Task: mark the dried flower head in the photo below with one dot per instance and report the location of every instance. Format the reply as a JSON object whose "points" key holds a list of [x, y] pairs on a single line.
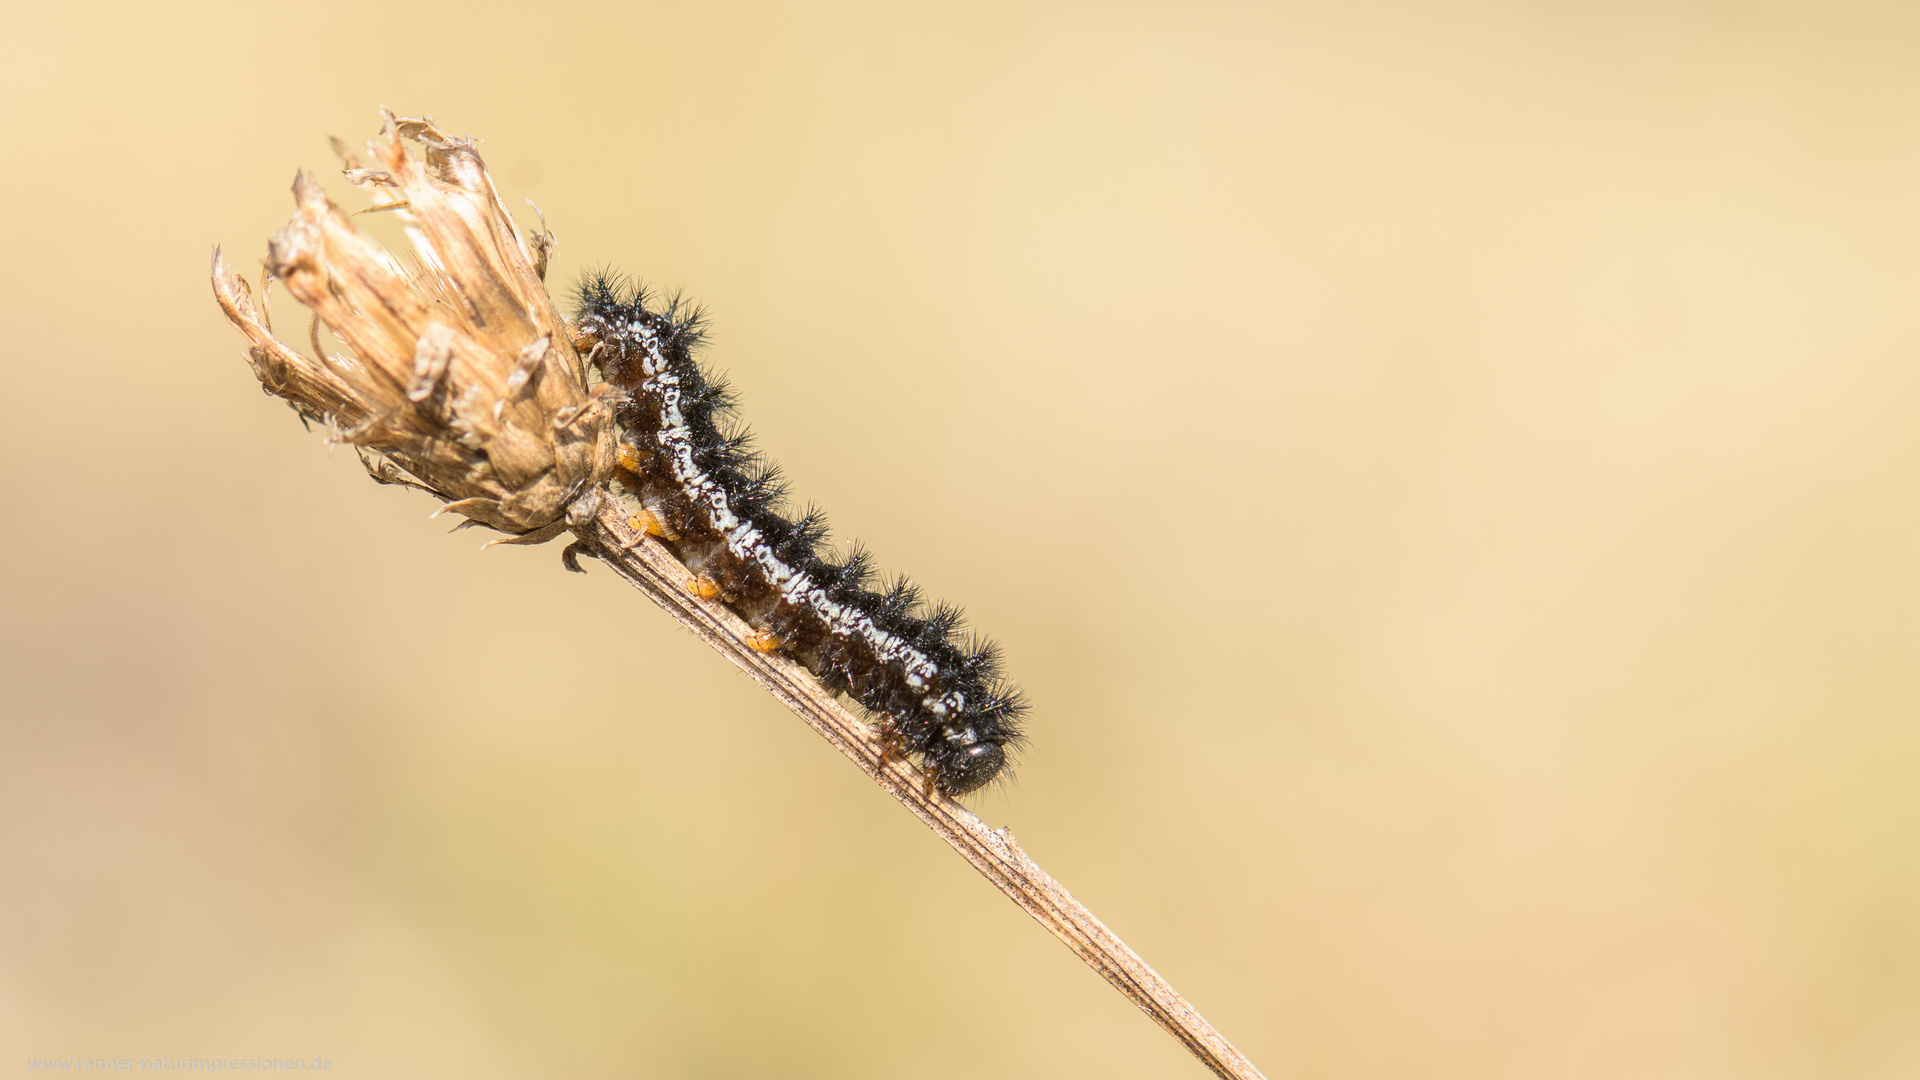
{"points": [[462, 379]]}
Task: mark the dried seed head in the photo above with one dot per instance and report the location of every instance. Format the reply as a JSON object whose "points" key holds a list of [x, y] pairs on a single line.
{"points": [[462, 379]]}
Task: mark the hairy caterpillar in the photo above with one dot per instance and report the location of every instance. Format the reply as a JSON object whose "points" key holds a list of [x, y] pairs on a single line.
{"points": [[720, 507]]}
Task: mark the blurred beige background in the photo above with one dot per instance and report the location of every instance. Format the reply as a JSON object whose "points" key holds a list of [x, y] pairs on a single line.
{"points": [[1446, 475]]}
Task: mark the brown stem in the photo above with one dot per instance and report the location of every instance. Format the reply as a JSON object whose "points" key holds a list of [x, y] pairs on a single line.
{"points": [[601, 527]]}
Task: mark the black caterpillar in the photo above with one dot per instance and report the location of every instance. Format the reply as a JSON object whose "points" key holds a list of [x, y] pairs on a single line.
{"points": [[720, 507]]}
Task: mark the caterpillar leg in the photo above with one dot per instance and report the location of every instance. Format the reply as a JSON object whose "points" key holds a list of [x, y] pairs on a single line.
{"points": [[892, 747], [647, 523]]}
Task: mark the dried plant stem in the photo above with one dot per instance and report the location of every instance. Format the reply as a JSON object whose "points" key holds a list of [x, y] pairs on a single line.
{"points": [[601, 528]]}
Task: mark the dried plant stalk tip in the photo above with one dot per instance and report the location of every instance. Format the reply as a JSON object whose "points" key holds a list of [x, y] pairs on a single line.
{"points": [[460, 377]]}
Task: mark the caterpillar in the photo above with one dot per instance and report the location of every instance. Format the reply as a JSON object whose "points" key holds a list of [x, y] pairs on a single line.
{"points": [[721, 507]]}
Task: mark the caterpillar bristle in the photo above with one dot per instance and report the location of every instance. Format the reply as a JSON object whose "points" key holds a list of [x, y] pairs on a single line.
{"points": [[851, 575]]}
